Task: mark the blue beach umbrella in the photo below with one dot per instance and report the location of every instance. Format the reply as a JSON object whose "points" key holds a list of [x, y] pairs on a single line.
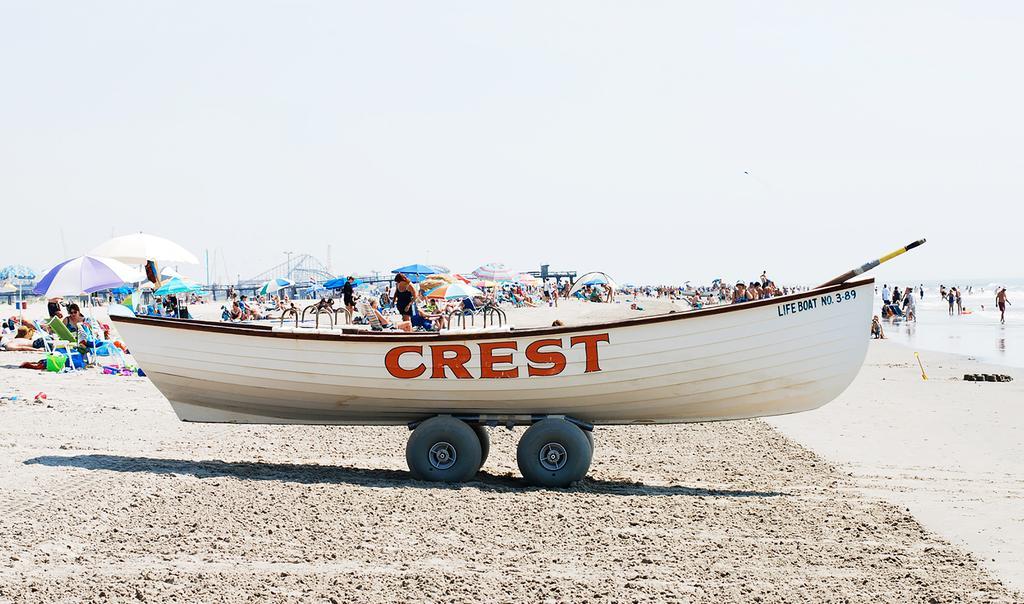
{"points": [[275, 285], [176, 286], [416, 272], [16, 271], [340, 283]]}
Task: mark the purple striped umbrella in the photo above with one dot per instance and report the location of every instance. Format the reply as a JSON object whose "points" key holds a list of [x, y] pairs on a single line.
{"points": [[84, 275]]}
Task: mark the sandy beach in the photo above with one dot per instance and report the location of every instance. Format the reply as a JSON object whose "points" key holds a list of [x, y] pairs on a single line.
{"points": [[951, 451], [111, 498]]}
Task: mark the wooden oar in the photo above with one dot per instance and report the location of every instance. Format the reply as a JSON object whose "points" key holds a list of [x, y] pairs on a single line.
{"points": [[870, 265]]}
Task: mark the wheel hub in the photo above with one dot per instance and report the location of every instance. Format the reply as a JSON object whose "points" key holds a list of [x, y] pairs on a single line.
{"points": [[553, 456], [442, 455]]}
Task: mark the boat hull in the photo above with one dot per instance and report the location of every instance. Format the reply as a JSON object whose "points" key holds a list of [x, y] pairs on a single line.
{"points": [[769, 357]]}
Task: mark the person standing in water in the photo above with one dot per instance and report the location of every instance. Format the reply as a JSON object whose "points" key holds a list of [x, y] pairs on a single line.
{"points": [[1001, 302], [951, 299]]}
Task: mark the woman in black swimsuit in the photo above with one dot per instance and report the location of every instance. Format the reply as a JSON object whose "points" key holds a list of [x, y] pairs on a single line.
{"points": [[405, 293]]}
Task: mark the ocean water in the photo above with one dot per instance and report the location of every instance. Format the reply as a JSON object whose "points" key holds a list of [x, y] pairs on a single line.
{"points": [[978, 334]]}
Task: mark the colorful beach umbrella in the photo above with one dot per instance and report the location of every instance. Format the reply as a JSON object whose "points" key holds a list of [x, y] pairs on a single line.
{"points": [[484, 283], [16, 271], [137, 248], [494, 271], [176, 285], [275, 285], [84, 275], [452, 291]]}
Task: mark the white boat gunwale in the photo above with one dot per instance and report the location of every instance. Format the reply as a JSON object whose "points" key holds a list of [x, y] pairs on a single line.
{"points": [[356, 335]]}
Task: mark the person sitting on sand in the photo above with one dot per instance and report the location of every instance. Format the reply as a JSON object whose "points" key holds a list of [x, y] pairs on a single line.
{"points": [[876, 328], [403, 325]]}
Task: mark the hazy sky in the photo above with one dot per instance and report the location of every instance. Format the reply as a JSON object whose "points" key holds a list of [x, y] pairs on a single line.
{"points": [[607, 136]]}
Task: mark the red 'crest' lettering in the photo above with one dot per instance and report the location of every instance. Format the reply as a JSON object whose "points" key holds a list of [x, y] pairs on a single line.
{"points": [[536, 356], [590, 347], [543, 358], [456, 363], [488, 359], [391, 362]]}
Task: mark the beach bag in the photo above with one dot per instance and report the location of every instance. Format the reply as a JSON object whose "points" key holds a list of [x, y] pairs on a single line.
{"points": [[56, 362]]}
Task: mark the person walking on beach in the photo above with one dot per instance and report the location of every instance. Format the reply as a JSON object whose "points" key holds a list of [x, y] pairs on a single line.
{"points": [[405, 295], [1001, 302], [886, 295], [909, 307], [348, 293]]}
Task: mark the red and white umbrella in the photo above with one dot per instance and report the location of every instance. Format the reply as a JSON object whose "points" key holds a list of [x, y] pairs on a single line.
{"points": [[495, 271]]}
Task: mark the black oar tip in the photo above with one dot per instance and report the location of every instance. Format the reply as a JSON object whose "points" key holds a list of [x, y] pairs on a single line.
{"points": [[915, 244]]}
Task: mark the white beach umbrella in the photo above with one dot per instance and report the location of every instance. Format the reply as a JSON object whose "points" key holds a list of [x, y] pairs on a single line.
{"points": [[137, 248], [594, 278], [8, 288], [84, 275]]}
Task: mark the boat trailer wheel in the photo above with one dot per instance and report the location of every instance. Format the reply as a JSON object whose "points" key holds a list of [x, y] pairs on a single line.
{"points": [[443, 455], [554, 452], [443, 449], [553, 456]]}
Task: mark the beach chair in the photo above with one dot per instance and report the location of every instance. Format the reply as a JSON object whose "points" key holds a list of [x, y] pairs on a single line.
{"points": [[418, 320], [61, 341], [90, 332], [371, 317]]}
